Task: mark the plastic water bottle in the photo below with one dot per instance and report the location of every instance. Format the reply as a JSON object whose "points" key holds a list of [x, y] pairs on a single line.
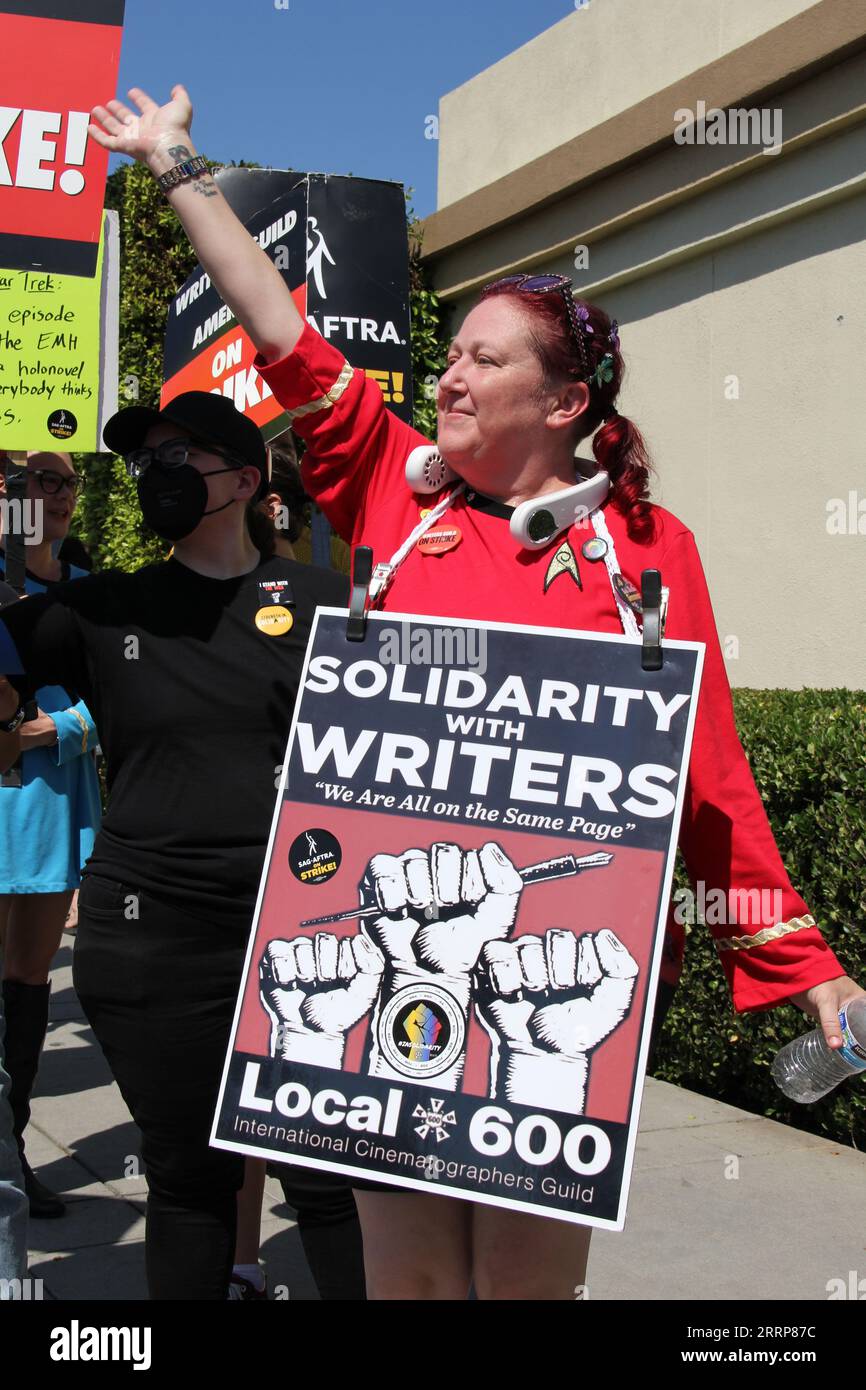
{"points": [[807, 1069]]}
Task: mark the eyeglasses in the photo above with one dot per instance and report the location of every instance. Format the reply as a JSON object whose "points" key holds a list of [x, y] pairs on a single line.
{"points": [[542, 284], [52, 483], [172, 453]]}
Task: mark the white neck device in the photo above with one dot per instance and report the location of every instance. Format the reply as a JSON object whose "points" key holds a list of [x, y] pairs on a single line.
{"points": [[533, 524]]}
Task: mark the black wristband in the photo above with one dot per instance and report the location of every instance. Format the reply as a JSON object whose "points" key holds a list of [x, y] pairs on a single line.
{"points": [[9, 726]]}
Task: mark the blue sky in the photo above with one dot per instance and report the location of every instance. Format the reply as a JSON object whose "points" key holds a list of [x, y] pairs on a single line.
{"points": [[334, 86]]}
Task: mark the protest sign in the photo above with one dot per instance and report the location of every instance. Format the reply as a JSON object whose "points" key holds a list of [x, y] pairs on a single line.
{"points": [[452, 968], [341, 246], [58, 364], [60, 59]]}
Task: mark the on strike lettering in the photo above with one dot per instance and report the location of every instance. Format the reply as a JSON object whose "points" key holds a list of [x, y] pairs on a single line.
{"points": [[35, 151]]}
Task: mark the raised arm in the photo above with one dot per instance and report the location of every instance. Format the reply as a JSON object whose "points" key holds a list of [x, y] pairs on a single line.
{"points": [[247, 279]]}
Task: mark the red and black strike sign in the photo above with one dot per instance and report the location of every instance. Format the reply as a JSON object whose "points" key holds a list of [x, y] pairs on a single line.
{"points": [[60, 58]]}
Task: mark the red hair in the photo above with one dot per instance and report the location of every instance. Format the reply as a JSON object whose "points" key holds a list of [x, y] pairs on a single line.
{"points": [[618, 445]]}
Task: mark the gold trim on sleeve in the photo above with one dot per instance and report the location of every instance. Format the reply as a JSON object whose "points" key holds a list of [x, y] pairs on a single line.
{"points": [[330, 397], [84, 731], [745, 943]]}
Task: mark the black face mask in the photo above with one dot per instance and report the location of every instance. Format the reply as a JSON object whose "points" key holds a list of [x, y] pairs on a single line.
{"points": [[174, 500]]}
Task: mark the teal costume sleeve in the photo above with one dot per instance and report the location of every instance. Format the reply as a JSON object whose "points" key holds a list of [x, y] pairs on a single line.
{"points": [[76, 733]]}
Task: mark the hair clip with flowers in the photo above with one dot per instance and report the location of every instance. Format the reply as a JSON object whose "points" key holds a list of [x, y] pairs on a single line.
{"points": [[604, 370]]}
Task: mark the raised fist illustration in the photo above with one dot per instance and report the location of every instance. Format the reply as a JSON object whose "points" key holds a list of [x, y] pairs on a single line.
{"points": [[547, 1002], [314, 990], [440, 907]]}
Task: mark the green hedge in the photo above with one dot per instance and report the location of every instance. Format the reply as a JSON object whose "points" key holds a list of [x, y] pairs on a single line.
{"points": [[807, 749]]}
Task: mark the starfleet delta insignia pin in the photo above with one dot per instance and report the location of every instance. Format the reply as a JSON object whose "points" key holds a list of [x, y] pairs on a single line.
{"points": [[563, 562]]}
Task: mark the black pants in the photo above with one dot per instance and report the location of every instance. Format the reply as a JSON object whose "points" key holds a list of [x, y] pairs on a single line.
{"points": [[329, 1228], [159, 989]]}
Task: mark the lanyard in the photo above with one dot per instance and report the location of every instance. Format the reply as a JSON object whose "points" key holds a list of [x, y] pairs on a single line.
{"points": [[611, 564], [383, 574]]}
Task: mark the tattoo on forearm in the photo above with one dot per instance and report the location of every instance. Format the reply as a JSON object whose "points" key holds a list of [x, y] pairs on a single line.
{"points": [[200, 183]]}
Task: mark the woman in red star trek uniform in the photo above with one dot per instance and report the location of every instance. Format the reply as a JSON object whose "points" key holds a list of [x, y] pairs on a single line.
{"points": [[529, 375]]}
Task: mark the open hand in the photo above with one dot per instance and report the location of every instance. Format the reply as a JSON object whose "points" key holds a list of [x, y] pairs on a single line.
{"points": [[150, 131]]}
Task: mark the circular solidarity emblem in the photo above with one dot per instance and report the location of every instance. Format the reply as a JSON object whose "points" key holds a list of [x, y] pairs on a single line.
{"points": [[422, 1031], [274, 620], [315, 856]]}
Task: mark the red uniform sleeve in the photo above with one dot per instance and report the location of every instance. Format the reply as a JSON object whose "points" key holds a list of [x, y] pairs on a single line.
{"points": [[767, 940], [356, 449]]}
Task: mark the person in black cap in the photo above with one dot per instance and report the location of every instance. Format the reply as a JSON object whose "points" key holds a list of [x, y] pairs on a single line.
{"points": [[191, 667]]}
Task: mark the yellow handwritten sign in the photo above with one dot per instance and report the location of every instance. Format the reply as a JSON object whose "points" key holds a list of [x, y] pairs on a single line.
{"points": [[58, 355]]}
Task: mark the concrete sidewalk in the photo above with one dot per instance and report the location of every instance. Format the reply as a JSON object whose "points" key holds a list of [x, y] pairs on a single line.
{"points": [[723, 1204]]}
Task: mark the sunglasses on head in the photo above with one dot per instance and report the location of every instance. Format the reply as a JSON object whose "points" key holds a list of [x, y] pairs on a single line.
{"points": [[173, 453], [543, 284]]}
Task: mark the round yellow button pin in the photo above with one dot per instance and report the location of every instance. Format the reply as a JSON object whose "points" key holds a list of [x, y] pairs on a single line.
{"points": [[274, 621]]}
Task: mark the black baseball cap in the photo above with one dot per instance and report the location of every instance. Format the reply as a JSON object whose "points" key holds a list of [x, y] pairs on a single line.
{"points": [[208, 418]]}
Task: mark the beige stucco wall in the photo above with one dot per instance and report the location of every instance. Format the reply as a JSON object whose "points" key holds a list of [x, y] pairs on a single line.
{"points": [[753, 287], [591, 65], [753, 476]]}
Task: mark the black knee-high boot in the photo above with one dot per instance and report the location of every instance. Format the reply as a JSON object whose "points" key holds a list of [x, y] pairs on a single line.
{"points": [[26, 1011]]}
